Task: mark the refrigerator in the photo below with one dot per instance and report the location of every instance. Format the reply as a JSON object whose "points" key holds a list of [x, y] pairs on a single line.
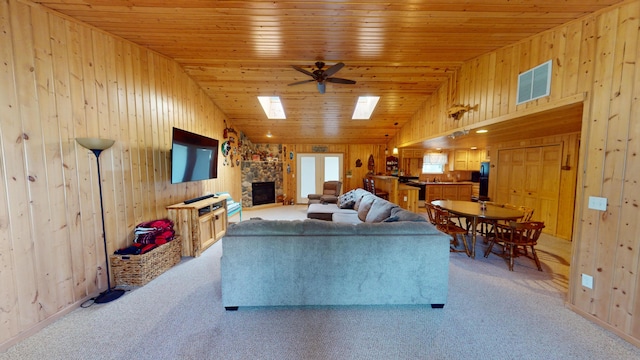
{"points": [[484, 180]]}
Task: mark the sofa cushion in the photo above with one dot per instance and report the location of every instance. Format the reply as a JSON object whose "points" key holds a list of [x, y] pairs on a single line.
{"points": [[365, 205], [380, 210], [406, 215], [351, 218], [325, 211], [347, 200], [356, 206]]}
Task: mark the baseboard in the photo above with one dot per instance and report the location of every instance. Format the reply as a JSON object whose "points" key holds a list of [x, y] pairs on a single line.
{"points": [[633, 341], [263, 206], [41, 325]]}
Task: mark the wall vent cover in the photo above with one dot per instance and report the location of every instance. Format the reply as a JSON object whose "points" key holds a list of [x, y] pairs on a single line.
{"points": [[535, 83]]}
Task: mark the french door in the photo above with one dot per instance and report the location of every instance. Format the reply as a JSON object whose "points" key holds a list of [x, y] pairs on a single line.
{"points": [[313, 170]]}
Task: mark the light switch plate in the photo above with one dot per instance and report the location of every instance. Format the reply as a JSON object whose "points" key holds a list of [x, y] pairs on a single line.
{"points": [[587, 281], [597, 203]]}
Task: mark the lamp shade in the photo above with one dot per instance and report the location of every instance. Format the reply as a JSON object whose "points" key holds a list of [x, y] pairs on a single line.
{"points": [[95, 143]]}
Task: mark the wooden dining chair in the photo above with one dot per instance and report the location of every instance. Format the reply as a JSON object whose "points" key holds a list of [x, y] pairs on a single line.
{"points": [[365, 184], [521, 235], [527, 215], [444, 224]]}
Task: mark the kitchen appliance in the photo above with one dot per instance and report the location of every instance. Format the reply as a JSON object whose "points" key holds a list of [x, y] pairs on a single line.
{"points": [[421, 193], [484, 181]]}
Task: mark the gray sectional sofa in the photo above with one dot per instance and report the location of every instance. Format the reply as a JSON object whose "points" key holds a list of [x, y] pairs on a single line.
{"points": [[359, 205], [318, 262]]}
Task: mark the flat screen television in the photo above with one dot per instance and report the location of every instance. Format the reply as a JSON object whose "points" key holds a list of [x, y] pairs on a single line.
{"points": [[193, 157]]}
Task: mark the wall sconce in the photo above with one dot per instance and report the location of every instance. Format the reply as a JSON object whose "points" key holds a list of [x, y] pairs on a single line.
{"points": [[269, 134], [395, 151]]}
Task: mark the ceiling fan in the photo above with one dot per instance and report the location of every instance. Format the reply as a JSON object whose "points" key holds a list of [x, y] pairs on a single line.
{"points": [[322, 76]]}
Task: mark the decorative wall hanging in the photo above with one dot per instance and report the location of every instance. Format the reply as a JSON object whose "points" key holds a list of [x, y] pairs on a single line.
{"points": [[358, 163], [372, 164]]}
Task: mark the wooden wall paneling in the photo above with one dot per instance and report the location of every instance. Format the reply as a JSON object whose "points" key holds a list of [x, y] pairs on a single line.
{"points": [[144, 137], [472, 95], [10, 294], [17, 156], [486, 110], [67, 145], [607, 226], [480, 95], [119, 103], [555, 44], [105, 50], [163, 127], [133, 136], [66, 80], [571, 60], [88, 186], [625, 78], [52, 227], [110, 157], [506, 79], [630, 218], [514, 69]]}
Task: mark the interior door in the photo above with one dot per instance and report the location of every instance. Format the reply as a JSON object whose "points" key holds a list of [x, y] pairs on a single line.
{"points": [[313, 170]]}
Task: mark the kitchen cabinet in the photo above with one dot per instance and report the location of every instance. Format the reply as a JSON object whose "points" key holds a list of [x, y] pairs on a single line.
{"points": [[458, 160], [412, 153], [466, 160], [448, 191]]}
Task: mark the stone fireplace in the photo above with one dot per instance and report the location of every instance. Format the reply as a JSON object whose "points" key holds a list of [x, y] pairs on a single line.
{"points": [[263, 192], [260, 172]]}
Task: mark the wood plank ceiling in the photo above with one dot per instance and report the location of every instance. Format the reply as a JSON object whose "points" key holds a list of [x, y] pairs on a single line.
{"points": [[401, 51]]}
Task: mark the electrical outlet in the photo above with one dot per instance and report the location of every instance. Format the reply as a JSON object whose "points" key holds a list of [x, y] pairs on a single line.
{"points": [[587, 281], [406, 198], [597, 203]]}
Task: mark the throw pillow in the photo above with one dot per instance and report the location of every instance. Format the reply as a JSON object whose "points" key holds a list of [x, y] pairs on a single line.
{"points": [[347, 200], [365, 206], [380, 210], [406, 215]]}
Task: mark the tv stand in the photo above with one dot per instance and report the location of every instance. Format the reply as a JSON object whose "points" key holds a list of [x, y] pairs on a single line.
{"points": [[200, 223]]}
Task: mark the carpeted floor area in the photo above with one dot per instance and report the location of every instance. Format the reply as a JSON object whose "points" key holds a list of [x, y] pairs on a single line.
{"points": [[491, 313]]}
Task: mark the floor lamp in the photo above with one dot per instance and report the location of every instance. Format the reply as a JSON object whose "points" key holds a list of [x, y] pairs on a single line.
{"points": [[97, 145]]}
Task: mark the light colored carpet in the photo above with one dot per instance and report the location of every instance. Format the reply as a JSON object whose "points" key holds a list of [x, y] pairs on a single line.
{"points": [[491, 314]]}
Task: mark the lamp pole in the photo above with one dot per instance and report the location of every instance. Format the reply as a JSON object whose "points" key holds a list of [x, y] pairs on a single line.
{"points": [[97, 145]]}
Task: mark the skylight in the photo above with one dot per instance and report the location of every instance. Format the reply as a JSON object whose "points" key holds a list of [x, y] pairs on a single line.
{"points": [[272, 107], [364, 107]]}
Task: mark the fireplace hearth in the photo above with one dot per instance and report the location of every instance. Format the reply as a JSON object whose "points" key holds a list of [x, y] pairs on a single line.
{"points": [[263, 193]]}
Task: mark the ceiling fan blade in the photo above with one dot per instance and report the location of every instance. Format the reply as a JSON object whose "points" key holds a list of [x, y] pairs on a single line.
{"points": [[340, 81], [302, 82], [333, 69], [303, 70]]}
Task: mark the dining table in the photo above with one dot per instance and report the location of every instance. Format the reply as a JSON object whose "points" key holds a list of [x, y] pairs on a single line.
{"points": [[475, 210]]}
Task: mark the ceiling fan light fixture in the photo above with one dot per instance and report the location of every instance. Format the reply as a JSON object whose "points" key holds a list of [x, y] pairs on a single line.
{"points": [[322, 87]]}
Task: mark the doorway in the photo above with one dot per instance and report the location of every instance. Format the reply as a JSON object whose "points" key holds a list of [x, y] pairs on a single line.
{"points": [[313, 171]]}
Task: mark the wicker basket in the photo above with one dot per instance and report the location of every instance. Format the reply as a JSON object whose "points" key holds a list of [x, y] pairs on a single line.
{"points": [[137, 270]]}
